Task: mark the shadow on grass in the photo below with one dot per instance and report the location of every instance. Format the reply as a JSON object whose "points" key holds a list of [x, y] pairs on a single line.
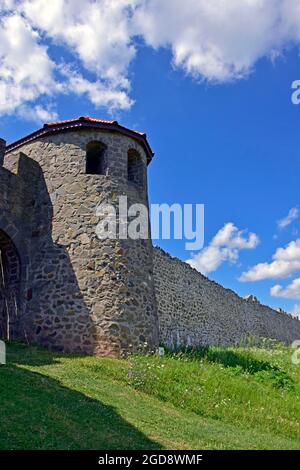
{"points": [[37, 412], [243, 362], [229, 358]]}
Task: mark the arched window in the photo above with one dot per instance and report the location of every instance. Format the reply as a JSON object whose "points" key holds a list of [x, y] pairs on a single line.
{"points": [[95, 158], [135, 167]]}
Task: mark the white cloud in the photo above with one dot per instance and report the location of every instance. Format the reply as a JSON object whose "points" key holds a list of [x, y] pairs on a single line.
{"points": [[37, 113], [215, 40], [26, 72], [225, 246], [98, 32], [291, 291], [292, 215], [95, 33], [219, 40], [98, 93], [7, 5], [285, 262]]}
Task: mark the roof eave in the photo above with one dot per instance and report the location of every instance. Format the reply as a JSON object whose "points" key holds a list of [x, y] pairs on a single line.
{"points": [[52, 128]]}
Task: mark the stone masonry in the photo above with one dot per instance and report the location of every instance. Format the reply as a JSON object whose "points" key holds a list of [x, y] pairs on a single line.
{"points": [[194, 310], [79, 293], [63, 288]]}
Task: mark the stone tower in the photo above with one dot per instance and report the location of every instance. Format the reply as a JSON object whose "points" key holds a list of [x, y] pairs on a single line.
{"points": [[69, 290]]}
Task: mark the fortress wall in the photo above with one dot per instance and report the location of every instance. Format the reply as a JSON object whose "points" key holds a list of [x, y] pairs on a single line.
{"points": [[194, 310], [18, 193], [82, 294], [88, 295]]}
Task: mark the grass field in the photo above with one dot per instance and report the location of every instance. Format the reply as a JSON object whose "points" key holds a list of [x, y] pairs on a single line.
{"points": [[212, 398]]}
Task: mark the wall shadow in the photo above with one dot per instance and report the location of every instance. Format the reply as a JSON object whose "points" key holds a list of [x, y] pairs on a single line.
{"points": [[241, 362], [38, 412], [51, 309], [228, 358]]}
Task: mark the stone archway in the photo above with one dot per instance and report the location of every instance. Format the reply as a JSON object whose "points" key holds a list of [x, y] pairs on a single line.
{"points": [[10, 275]]}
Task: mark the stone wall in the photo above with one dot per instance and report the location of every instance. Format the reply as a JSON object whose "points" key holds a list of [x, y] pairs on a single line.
{"points": [[194, 310], [69, 291], [86, 295], [18, 195]]}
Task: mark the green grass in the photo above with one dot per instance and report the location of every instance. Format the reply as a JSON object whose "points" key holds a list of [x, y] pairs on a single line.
{"points": [[211, 398]]}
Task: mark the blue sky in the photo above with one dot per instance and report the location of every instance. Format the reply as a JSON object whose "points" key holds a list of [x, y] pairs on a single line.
{"points": [[222, 125]]}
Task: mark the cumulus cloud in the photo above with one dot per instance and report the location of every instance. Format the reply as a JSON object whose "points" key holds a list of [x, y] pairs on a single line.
{"points": [[92, 34], [225, 246], [292, 215], [285, 261], [291, 291], [99, 93], [37, 113], [98, 32], [26, 72], [217, 41]]}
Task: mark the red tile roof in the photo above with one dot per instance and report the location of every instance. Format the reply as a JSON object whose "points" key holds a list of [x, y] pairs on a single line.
{"points": [[83, 122]]}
